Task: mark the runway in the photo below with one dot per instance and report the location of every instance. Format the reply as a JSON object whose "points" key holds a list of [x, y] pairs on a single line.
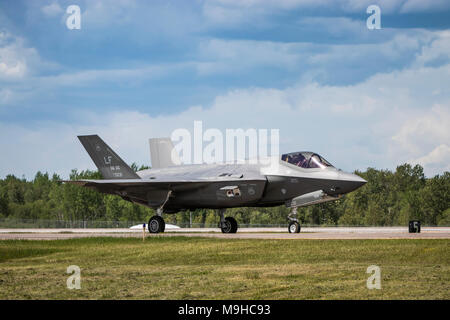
{"points": [[244, 233]]}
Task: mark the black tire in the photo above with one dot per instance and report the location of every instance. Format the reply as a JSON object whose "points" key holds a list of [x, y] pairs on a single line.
{"points": [[294, 227], [156, 224], [230, 225], [234, 224]]}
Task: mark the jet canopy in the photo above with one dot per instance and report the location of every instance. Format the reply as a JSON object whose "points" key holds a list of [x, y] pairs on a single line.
{"points": [[306, 160]]}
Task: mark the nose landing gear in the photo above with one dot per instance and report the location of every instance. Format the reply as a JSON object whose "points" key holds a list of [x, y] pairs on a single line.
{"points": [[294, 225], [228, 224]]}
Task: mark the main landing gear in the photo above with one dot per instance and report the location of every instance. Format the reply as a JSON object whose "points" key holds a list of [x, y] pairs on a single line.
{"points": [[156, 224], [294, 225], [228, 224]]}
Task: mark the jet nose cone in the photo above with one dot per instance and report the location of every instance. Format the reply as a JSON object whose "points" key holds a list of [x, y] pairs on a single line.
{"points": [[358, 179], [350, 182]]}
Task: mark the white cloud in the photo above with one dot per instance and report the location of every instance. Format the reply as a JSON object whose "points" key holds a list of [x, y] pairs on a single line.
{"points": [[86, 78], [14, 57], [220, 15], [219, 56], [52, 9], [334, 26], [20, 65], [436, 51], [411, 6], [5, 95], [150, 21], [230, 56], [424, 136], [437, 161], [351, 6], [110, 13], [395, 49], [17, 60], [388, 119], [381, 122], [425, 129], [12, 68]]}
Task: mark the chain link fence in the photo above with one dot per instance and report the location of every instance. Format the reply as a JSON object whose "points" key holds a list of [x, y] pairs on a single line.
{"points": [[84, 224], [63, 224], [80, 224]]}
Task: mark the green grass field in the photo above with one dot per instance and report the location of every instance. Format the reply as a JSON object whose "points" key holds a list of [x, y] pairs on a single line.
{"points": [[204, 268]]}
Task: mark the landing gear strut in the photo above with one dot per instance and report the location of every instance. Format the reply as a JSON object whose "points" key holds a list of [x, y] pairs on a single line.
{"points": [[228, 224], [294, 225], [156, 224]]}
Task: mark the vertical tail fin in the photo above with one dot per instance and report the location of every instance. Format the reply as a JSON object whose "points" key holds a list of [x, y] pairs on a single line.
{"points": [[163, 153], [111, 166]]}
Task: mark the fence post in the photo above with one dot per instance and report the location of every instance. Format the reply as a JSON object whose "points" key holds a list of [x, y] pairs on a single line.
{"points": [[190, 219]]}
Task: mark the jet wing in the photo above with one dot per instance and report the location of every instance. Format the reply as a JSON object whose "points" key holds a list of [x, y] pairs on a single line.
{"points": [[115, 182], [195, 185], [155, 192], [126, 184], [146, 192], [147, 183]]}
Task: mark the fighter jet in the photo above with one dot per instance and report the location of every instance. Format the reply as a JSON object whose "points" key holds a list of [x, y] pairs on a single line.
{"points": [[298, 179]]}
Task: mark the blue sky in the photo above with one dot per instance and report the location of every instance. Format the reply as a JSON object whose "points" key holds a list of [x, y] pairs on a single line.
{"points": [[140, 69]]}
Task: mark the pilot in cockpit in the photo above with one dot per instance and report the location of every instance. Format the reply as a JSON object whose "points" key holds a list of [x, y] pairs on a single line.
{"points": [[300, 161]]}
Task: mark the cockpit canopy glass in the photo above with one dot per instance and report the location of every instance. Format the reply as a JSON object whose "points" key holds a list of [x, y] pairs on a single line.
{"points": [[306, 160]]}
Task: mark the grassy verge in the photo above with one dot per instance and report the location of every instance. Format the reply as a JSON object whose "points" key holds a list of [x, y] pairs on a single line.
{"points": [[202, 268]]}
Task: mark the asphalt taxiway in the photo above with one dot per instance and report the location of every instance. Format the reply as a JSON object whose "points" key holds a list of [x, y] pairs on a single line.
{"points": [[243, 233]]}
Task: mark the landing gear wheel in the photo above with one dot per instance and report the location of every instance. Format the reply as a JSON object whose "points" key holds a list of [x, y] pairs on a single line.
{"points": [[229, 226], [294, 227], [156, 224]]}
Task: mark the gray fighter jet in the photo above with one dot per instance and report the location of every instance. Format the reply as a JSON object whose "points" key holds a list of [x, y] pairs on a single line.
{"points": [[298, 179]]}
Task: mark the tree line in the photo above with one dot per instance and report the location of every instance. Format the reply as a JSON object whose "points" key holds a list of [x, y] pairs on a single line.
{"points": [[389, 198]]}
